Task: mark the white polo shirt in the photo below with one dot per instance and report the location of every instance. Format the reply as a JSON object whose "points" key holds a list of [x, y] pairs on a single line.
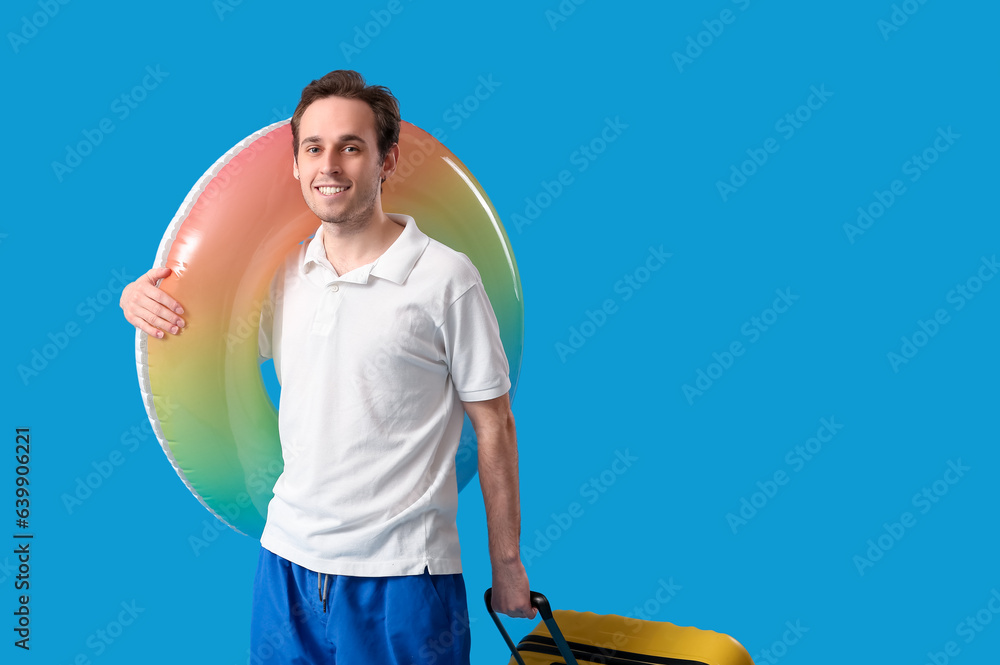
{"points": [[374, 366]]}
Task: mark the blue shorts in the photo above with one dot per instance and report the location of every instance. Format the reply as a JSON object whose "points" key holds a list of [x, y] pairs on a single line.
{"points": [[405, 620]]}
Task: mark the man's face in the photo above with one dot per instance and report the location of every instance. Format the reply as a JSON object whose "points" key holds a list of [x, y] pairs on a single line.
{"points": [[337, 163]]}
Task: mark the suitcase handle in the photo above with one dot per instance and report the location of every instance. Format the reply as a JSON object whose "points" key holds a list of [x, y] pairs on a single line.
{"points": [[541, 603]]}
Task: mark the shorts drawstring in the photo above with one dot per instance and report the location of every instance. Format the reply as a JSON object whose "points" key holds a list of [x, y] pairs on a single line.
{"points": [[323, 586]]}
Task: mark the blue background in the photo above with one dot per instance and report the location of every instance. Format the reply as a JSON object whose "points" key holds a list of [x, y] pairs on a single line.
{"points": [[660, 522]]}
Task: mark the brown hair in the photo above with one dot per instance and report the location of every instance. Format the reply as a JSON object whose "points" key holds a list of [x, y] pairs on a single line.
{"points": [[351, 85]]}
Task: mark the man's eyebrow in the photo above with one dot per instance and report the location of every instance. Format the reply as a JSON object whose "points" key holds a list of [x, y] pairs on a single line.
{"points": [[344, 138], [351, 138]]}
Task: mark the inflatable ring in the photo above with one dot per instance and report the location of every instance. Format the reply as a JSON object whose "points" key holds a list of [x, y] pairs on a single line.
{"points": [[203, 389]]}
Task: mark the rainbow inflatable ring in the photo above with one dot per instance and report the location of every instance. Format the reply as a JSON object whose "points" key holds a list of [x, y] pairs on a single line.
{"points": [[203, 389]]}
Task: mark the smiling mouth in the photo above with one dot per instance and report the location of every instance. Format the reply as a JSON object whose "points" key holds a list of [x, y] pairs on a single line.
{"points": [[330, 191]]}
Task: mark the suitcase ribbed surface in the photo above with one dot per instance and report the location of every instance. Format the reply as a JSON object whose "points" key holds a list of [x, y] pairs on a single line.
{"points": [[615, 640]]}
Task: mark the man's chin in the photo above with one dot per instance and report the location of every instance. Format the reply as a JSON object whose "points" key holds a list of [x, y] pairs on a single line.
{"points": [[329, 216], [346, 221]]}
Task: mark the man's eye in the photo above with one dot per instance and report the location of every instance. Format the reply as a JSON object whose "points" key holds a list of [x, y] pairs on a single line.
{"points": [[351, 148], [312, 149]]}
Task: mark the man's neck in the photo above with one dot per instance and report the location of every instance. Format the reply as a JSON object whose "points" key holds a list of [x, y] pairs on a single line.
{"points": [[350, 249]]}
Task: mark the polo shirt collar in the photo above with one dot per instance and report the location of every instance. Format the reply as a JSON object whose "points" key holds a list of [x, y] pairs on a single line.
{"points": [[395, 263]]}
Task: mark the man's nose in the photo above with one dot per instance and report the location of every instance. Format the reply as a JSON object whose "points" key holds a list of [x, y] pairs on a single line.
{"points": [[331, 162]]}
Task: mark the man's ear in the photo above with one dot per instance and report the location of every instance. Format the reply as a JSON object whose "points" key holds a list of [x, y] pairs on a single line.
{"points": [[295, 167], [390, 162]]}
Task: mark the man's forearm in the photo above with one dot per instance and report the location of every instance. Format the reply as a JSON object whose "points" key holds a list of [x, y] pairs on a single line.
{"points": [[498, 478], [497, 437]]}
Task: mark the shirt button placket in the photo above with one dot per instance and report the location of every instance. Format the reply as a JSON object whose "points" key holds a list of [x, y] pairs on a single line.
{"points": [[326, 313]]}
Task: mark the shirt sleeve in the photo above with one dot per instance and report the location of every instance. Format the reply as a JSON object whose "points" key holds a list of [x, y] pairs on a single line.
{"points": [[473, 349]]}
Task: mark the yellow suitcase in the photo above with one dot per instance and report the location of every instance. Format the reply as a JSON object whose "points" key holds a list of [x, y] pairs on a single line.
{"points": [[578, 638]]}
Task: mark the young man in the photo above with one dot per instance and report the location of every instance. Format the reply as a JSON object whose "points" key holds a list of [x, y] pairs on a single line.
{"points": [[382, 340]]}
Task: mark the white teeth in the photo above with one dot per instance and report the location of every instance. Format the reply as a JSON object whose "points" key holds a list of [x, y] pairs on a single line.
{"points": [[331, 190]]}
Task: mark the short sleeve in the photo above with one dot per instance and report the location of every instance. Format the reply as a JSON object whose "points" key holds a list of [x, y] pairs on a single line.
{"points": [[474, 352]]}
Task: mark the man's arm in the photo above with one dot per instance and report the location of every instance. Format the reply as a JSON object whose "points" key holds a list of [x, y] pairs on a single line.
{"points": [[494, 425], [148, 308]]}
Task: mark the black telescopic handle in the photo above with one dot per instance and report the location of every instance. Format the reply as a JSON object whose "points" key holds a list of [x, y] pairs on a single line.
{"points": [[540, 603]]}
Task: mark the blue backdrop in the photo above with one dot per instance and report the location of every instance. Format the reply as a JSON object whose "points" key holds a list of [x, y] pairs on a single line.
{"points": [[758, 245]]}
